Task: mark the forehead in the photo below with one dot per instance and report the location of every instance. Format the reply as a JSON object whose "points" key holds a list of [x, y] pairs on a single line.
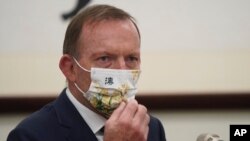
{"points": [[109, 26], [109, 32]]}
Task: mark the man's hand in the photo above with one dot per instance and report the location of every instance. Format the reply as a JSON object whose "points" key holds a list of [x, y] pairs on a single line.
{"points": [[129, 122]]}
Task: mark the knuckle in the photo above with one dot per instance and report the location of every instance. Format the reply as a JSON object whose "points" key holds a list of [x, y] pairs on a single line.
{"points": [[143, 108], [133, 102], [148, 119]]}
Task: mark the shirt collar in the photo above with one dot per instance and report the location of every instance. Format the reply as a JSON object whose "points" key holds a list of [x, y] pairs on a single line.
{"points": [[94, 120]]}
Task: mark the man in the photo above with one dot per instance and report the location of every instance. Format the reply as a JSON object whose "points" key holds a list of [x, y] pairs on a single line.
{"points": [[101, 61]]}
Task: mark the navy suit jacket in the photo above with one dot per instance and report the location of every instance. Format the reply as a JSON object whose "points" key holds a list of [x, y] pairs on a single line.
{"points": [[60, 121]]}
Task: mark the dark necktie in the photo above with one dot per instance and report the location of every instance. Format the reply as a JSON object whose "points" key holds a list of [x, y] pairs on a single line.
{"points": [[102, 130]]}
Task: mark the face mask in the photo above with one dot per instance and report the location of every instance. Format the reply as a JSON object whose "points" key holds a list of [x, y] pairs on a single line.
{"points": [[109, 87]]}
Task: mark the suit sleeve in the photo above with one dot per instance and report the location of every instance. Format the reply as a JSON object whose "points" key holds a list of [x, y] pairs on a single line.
{"points": [[162, 131], [20, 134], [156, 130]]}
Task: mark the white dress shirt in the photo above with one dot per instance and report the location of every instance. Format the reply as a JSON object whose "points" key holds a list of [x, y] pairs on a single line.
{"points": [[94, 120]]}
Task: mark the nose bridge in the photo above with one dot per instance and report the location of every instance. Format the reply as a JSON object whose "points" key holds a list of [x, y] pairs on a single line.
{"points": [[121, 63]]}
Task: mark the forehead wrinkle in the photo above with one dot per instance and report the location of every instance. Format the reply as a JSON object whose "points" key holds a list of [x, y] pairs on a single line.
{"points": [[91, 27], [93, 33]]}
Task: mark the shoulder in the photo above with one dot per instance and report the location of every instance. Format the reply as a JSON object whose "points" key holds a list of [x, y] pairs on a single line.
{"points": [[156, 130], [30, 128], [154, 119], [45, 115]]}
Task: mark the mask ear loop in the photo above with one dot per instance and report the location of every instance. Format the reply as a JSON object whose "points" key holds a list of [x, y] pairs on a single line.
{"points": [[79, 89], [80, 65]]}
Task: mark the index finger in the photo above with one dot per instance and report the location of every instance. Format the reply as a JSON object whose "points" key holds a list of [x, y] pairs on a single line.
{"points": [[130, 109], [117, 112]]}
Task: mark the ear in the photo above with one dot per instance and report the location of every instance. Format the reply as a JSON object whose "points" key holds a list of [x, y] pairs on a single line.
{"points": [[67, 67]]}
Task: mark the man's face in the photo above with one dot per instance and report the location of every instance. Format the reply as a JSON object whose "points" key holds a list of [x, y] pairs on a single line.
{"points": [[109, 44]]}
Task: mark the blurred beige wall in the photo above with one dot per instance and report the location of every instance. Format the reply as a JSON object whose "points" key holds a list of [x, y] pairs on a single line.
{"points": [[187, 46]]}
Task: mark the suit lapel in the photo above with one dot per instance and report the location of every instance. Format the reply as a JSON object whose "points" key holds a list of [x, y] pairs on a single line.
{"points": [[73, 127]]}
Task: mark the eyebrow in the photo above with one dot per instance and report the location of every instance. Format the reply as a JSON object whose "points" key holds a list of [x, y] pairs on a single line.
{"points": [[96, 54], [133, 52]]}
